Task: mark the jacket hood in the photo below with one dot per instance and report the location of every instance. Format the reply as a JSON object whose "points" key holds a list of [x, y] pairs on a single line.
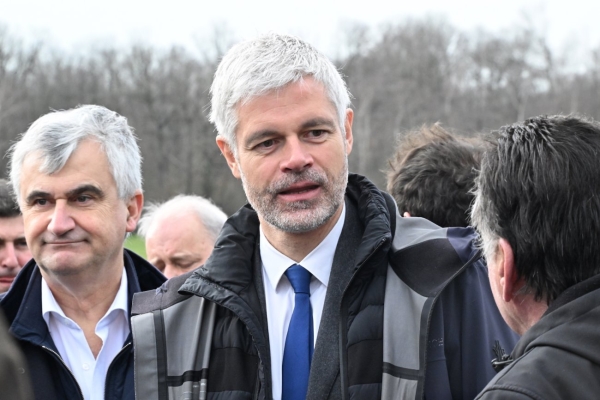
{"points": [[569, 324]]}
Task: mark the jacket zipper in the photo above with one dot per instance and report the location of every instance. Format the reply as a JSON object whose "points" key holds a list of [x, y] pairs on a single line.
{"points": [[57, 356], [344, 322], [110, 366]]}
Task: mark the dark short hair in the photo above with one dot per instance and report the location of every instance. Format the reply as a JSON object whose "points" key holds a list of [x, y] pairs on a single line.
{"points": [[8, 206], [539, 189], [432, 173]]}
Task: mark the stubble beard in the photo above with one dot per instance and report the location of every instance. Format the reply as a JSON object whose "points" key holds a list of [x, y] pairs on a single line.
{"points": [[299, 216]]}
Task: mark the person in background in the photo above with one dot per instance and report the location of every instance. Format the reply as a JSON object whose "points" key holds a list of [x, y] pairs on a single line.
{"points": [[14, 252], [15, 382], [317, 289], [77, 177], [537, 206], [180, 233], [432, 175]]}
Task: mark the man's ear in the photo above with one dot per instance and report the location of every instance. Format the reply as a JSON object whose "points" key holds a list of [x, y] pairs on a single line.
{"points": [[348, 127], [134, 210], [229, 156], [509, 278]]}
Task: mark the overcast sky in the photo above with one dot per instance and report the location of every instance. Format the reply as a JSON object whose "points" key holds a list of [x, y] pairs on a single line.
{"points": [[75, 24]]}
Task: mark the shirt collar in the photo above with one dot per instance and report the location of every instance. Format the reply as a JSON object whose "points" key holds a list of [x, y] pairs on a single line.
{"points": [[318, 262], [50, 305]]}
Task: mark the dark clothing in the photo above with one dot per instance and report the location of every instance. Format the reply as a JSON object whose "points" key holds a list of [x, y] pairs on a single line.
{"points": [[208, 330], [22, 305], [559, 356], [14, 381]]}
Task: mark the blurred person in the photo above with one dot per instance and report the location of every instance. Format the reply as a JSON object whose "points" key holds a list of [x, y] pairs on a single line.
{"points": [[77, 177], [180, 233], [432, 174], [14, 252], [14, 381], [537, 207], [317, 289]]}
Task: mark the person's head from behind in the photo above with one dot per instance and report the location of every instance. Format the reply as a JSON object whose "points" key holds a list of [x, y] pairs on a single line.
{"points": [[77, 177], [180, 233], [281, 111], [14, 252], [537, 208], [432, 174]]}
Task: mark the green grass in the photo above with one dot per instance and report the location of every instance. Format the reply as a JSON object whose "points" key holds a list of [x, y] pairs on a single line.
{"points": [[136, 244]]}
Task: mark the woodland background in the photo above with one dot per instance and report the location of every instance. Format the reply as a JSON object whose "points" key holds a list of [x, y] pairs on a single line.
{"points": [[401, 75]]}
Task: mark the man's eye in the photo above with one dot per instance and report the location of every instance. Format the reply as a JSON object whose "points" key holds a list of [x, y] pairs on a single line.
{"points": [[21, 243], [317, 133], [267, 143], [40, 202], [83, 198]]}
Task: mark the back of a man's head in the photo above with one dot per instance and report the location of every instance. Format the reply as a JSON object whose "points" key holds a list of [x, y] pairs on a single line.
{"points": [[539, 189], [432, 174]]}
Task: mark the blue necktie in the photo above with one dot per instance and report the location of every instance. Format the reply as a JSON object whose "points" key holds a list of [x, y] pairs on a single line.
{"points": [[299, 341]]}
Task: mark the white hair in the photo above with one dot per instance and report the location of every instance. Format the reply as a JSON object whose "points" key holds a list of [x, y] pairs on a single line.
{"points": [[273, 61], [211, 216], [56, 136]]}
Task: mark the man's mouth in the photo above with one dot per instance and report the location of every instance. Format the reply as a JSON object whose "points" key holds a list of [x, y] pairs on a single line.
{"points": [[300, 192], [299, 189], [7, 279]]}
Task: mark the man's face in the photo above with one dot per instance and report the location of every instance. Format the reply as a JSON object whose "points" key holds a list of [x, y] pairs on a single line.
{"points": [[178, 242], [292, 156], [74, 221], [14, 252]]}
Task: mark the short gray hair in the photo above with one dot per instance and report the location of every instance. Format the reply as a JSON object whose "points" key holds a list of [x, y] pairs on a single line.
{"points": [[212, 217], [56, 136], [255, 67]]}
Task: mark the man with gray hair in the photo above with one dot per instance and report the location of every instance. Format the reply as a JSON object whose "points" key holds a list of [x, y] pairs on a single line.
{"points": [[317, 289], [77, 178], [14, 252], [180, 233], [537, 207]]}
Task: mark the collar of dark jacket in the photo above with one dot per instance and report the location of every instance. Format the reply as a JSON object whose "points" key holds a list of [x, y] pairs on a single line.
{"points": [[230, 264], [560, 311]]}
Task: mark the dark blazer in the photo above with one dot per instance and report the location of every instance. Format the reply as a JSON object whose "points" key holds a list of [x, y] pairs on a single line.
{"points": [[53, 380]]}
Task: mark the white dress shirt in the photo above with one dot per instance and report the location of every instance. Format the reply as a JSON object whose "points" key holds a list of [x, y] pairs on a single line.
{"points": [[70, 340], [279, 294]]}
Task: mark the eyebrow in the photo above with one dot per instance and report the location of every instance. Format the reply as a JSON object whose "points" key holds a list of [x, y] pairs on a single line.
{"points": [[86, 189], [258, 136], [311, 123], [36, 194]]}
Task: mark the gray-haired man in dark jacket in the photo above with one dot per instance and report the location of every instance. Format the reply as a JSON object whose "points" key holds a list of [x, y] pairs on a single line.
{"points": [[317, 289]]}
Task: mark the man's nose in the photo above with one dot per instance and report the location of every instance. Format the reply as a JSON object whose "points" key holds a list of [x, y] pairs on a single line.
{"points": [[297, 156], [62, 221], [8, 256]]}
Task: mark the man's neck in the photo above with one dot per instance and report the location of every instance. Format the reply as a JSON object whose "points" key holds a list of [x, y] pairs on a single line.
{"points": [[296, 246], [86, 297]]}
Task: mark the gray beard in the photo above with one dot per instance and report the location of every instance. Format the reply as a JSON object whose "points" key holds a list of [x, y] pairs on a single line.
{"points": [[299, 216]]}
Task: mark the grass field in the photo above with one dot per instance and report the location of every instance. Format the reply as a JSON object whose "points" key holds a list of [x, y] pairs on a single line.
{"points": [[136, 243]]}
